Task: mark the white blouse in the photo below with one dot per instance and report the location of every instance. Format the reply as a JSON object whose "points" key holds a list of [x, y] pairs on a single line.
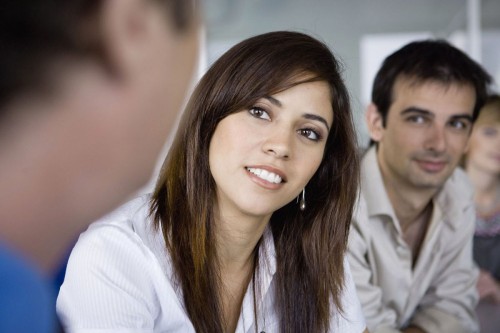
{"points": [[119, 279]]}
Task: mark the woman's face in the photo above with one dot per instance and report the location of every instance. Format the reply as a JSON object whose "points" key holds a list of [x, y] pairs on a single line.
{"points": [[484, 148], [263, 157]]}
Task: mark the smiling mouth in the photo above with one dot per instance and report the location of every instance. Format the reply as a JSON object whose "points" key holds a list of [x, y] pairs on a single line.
{"points": [[266, 175]]}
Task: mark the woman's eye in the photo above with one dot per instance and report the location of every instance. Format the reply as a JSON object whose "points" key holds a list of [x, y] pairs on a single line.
{"points": [[490, 131], [310, 134], [259, 113]]}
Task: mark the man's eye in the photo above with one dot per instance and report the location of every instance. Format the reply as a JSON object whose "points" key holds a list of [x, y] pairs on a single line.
{"points": [[459, 124], [259, 113], [416, 119]]}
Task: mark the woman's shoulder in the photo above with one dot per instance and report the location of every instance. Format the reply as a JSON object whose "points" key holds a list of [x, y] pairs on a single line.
{"points": [[130, 221], [131, 215], [124, 235], [114, 274]]}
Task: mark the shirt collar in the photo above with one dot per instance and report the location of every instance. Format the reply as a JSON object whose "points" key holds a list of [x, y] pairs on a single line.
{"points": [[267, 255], [373, 188], [454, 196], [378, 203]]}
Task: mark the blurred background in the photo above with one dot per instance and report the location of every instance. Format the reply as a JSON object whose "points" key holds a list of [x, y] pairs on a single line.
{"points": [[360, 32]]}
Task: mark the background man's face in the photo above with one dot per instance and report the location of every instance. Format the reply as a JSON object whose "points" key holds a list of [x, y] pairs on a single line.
{"points": [[426, 132]]}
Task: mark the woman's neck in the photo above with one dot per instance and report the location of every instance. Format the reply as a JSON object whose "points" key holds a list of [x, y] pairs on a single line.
{"points": [[237, 238]]}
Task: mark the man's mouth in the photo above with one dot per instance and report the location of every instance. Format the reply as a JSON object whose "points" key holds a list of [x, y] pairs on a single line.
{"points": [[432, 166]]}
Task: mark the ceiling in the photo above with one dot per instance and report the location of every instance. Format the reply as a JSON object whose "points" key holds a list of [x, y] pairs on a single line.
{"points": [[233, 18]]}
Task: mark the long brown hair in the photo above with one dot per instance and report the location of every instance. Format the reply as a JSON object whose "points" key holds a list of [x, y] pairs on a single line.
{"points": [[310, 245]]}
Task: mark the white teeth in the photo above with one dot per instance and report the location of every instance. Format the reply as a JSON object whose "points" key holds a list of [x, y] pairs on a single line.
{"points": [[266, 175], [277, 179]]}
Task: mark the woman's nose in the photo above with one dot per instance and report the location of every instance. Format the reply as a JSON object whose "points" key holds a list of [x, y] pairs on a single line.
{"points": [[279, 143]]}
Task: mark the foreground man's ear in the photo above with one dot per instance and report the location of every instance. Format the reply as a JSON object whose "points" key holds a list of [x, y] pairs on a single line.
{"points": [[126, 29]]}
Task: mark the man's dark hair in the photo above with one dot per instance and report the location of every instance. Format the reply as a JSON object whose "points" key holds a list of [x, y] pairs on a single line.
{"points": [[429, 60], [36, 35]]}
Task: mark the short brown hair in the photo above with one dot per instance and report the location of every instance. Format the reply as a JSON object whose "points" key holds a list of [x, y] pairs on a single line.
{"points": [[36, 34]]}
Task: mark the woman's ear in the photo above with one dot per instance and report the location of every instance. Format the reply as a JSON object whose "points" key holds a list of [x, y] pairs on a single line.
{"points": [[374, 123]]}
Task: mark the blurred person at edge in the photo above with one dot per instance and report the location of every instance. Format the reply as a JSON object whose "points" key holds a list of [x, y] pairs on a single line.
{"points": [[410, 245], [89, 91], [482, 164]]}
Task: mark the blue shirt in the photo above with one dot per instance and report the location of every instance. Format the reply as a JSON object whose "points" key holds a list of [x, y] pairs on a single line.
{"points": [[27, 299]]}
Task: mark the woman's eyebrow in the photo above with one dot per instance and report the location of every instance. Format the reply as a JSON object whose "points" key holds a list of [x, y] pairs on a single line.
{"points": [[312, 116], [309, 116], [273, 101]]}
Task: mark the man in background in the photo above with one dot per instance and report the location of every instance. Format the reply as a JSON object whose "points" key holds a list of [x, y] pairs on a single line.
{"points": [[89, 91], [410, 247]]}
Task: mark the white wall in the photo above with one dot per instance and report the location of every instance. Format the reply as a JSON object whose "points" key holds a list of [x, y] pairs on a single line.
{"points": [[341, 24]]}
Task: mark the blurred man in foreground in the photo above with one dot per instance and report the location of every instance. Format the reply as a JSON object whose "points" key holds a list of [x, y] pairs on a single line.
{"points": [[89, 91]]}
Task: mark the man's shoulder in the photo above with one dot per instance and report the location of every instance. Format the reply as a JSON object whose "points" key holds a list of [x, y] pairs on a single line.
{"points": [[373, 199], [457, 188], [456, 203], [27, 301], [458, 180], [361, 221], [368, 159]]}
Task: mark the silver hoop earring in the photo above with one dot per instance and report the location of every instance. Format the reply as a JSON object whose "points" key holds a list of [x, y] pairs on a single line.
{"points": [[302, 204]]}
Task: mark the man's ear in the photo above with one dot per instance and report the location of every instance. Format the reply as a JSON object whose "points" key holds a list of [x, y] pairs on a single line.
{"points": [[374, 123], [125, 27]]}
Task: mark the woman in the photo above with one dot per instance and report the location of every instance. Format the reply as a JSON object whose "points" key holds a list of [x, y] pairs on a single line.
{"points": [[483, 167], [247, 227]]}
